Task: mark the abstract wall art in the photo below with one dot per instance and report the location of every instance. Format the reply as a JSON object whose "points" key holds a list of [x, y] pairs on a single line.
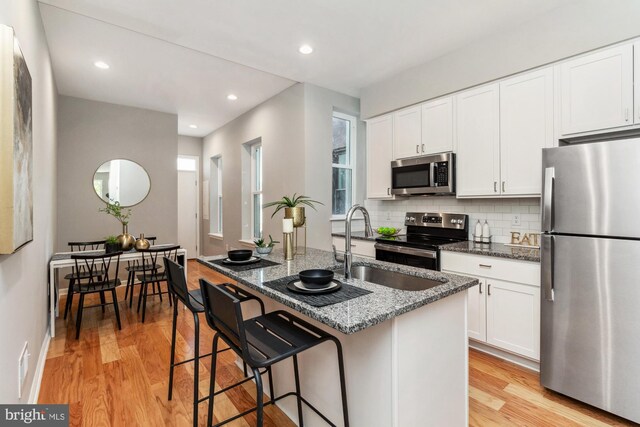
{"points": [[16, 151]]}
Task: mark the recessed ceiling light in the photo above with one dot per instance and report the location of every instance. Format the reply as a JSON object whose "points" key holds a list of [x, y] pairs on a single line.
{"points": [[305, 49], [102, 65], [193, 126], [231, 97]]}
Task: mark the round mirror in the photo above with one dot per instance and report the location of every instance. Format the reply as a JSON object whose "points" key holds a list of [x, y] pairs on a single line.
{"points": [[123, 181]]}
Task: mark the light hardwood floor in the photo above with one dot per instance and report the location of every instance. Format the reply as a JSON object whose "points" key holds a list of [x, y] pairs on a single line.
{"points": [[119, 378]]}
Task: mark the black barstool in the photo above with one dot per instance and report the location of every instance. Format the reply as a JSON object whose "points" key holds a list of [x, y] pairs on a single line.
{"points": [[261, 342], [192, 300]]}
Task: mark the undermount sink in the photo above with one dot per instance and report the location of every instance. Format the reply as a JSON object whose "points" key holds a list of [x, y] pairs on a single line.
{"points": [[390, 279]]}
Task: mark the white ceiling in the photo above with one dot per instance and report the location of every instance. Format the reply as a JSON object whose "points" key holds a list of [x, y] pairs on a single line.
{"points": [[186, 56]]}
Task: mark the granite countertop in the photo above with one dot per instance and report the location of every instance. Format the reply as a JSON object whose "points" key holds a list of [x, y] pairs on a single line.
{"points": [[357, 235], [494, 249], [356, 314]]}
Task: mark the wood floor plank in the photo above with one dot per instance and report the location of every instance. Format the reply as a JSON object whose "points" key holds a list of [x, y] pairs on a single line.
{"points": [[119, 378], [486, 399]]}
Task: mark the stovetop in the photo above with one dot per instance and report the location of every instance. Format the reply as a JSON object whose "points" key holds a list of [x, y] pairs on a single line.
{"points": [[431, 230]]}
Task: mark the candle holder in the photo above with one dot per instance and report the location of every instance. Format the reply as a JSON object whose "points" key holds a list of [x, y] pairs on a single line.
{"points": [[287, 245]]}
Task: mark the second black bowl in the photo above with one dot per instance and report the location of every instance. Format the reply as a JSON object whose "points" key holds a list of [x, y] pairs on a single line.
{"points": [[240, 254], [316, 278]]}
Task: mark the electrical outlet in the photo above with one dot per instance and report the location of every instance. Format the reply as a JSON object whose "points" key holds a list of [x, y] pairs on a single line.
{"points": [[23, 368], [515, 221], [388, 216]]}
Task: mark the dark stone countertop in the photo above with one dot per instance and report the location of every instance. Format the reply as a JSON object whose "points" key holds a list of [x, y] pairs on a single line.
{"points": [[354, 315], [495, 250]]}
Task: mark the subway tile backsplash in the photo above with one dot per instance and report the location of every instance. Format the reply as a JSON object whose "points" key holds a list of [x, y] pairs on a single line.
{"points": [[498, 212]]}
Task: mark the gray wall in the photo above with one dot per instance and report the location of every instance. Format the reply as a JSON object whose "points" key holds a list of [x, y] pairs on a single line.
{"points": [[90, 133], [568, 30], [23, 275], [295, 129], [319, 106], [279, 122]]}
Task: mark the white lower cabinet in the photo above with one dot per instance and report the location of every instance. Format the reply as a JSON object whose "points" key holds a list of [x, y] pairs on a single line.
{"points": [[501, 313], [359, 247]]}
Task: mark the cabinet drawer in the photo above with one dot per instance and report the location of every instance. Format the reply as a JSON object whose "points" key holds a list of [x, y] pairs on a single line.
{"points": [[499, 268], [358, 247]]}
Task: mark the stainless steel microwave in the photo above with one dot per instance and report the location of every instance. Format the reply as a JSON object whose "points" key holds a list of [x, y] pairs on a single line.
{"points": [[425, 175]]}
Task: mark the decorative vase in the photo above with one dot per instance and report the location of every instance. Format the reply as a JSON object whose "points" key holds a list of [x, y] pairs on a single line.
{"points": [[126, 240], [297, 214], [265, 250], [142, 243]]}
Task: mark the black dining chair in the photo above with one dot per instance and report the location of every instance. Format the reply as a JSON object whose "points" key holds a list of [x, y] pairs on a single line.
{"points": [[153, 272], [261, 342], [133, 267], [76, 274], [101, 278], [192, 300]]}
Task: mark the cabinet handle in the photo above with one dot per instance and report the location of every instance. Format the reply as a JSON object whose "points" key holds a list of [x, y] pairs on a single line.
{"points": [[485, 265], [626, 114], [495, 186], [489, 289], [418, 149], [388, 191], [423, 148], [503, 184], [480, 287]]}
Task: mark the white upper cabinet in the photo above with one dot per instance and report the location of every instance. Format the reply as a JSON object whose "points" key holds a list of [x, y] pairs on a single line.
{"points": [[526, 127], [597, 91], [379, 157], [437, 126], [407, 141], [478, 137]]}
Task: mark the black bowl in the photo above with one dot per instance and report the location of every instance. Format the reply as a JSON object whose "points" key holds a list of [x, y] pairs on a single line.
{"points": [[240, 254], [316, 278]]}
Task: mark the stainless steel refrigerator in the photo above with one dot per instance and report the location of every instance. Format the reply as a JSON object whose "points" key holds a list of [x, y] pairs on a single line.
{"points": [[590, 310]]}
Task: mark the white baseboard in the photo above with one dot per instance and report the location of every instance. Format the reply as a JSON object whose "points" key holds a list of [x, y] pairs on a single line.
{"points": [[37, 376], [505, 355]]}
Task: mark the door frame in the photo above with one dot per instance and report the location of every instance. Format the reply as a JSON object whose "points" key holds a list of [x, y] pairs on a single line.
{"points": [[198, 218]]}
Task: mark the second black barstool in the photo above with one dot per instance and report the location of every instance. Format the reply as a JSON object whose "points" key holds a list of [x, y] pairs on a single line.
{"points": [[192, 300], [261, 342]]}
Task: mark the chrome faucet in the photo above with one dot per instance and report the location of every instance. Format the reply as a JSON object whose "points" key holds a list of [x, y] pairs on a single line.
{"points": [[368, 232]]}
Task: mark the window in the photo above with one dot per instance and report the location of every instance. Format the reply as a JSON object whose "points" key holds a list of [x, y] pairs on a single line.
{"points": [[215, 224], [343, 163], [256, 191], [186, 164]]}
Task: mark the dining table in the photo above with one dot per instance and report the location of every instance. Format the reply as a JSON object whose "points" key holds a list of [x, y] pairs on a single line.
{"points": [[62, 260]]}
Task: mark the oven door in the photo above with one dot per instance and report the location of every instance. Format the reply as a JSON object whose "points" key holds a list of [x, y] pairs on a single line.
{"points": [[423, 258]]}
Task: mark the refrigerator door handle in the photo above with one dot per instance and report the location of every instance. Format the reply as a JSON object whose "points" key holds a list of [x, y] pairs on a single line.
{"points": [[547, 207], [547, 266]]}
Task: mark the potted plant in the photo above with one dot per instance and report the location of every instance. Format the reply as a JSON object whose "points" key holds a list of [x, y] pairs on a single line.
{"points": [[111, 244], [264, 248], [114, 209], [293, 207]]}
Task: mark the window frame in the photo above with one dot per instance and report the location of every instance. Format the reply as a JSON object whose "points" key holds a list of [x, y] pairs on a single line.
{"points": [[257, 164], [352, 165]]}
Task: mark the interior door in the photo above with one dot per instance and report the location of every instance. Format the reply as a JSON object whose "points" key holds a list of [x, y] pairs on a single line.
{"points": [[590, 342], [188, 212]]}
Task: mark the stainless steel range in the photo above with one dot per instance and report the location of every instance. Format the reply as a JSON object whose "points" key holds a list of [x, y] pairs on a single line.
{"points": [[425, 234]]}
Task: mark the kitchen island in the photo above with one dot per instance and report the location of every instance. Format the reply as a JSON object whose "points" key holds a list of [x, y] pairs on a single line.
{"points": [[405, 351]]}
